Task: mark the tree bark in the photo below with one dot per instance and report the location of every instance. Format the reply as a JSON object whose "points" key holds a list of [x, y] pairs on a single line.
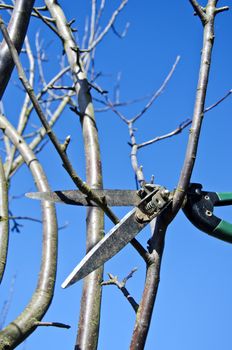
{"points": [[17, 29]]}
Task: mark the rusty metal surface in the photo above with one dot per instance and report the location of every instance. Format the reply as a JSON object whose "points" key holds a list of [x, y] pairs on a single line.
{"points": [[75, 197]]}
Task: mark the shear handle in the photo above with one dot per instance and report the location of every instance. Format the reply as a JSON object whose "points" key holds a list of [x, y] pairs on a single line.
{"points": [[199, 209]]}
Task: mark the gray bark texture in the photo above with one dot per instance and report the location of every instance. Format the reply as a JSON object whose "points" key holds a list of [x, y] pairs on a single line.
{"points": [[17, 29]]}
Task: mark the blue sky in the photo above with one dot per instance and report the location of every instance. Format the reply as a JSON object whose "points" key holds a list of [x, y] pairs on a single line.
{"points": [[194, 306]]}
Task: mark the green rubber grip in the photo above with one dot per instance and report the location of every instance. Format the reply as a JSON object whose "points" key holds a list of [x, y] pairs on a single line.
{"points": [[223, 231], [225, 197]]}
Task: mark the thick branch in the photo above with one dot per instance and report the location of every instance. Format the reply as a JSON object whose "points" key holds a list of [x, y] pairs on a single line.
{"points": [[198, 113], [89, 316], [25, 323], [199, 11], [17, 29], [157, 243], [146, 305], [89, 319]]}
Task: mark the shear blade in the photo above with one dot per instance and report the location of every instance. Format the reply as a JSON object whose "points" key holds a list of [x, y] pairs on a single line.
{"points": [[111, 244], [75, 197]]}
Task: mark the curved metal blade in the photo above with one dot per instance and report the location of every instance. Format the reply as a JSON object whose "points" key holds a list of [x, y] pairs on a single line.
{"points": [[111, 244], [75, 197]]}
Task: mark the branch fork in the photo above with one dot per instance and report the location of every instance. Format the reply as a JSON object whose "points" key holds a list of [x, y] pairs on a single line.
{"points": [[203, 13]]}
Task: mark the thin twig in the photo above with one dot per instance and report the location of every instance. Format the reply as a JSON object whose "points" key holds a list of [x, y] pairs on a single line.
{"points": [[183, 125], [222, 9], [116, 103], [24, 115], [113, 280], [100, 12], [107, 27], [62, 87], [37, 9], [157, 93], [92, 21], [174, 132], [218, 102], [47, 22], [25, 218], [29, 218], [41, 133], [124, 33], [4, 223], [7, 303], [52, 324], [138, 170]]}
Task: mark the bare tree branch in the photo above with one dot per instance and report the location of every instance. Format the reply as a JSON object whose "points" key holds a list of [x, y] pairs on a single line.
{"points": [[172, 133], [207, 109], [99, 13], [88, 330], [4, 222], [107, 27], [124, 33], [200, 11], [138, 170], [17, 29], [146, 305], [49, 104], [53, 324], [7, 303], [198, 113], [91, 296], [24, 115], [182, 125], [113, 280], [47, 22], [157, 93], [24, 324], [156, 244], [66, 162], [42, 8], [222, 9], [41, 133]]}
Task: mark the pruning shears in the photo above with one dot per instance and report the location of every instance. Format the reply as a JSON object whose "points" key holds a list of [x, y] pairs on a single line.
{"points": [[149, 202]]}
